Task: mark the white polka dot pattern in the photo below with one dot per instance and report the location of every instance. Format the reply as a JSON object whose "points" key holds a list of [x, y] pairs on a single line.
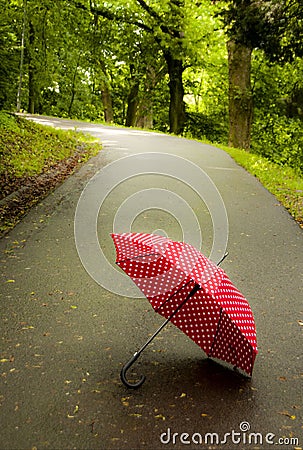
{"points": [[218, 317]]}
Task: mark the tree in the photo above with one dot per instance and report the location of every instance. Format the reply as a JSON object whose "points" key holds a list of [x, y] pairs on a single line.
{"points": [[10, 45], [240, 95], [166, 26], [22, 55], [270, 25]]}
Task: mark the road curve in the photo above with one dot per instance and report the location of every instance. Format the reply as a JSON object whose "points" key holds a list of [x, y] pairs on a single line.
{"points": [[68, 324]]}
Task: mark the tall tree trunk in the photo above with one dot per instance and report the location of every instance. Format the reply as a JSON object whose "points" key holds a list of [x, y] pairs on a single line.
{"points": [[176, 89], [145, 109], [106, 95], [132, 99], [73, 93], [240, 95], [132, 105], [31, 71], [145, 119], [21, 58], [107, 104]]}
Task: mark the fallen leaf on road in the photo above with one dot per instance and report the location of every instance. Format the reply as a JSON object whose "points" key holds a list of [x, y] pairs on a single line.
{"points": [[124, 401], [286, 413]]}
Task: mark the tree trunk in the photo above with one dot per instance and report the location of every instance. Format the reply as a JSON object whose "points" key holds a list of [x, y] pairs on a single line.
{"points": [[107, 103], [132, 100], [176, 89], [21, 58], [145, 119], [240, 95], [31, 71], [132, 105], [106, 95], [145, 109], [73, 93]]}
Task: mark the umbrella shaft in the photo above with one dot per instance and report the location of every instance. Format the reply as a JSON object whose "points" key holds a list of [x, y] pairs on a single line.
{"points": [[192, 292]]}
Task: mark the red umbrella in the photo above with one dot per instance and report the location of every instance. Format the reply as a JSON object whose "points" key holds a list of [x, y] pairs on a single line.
{"points": [[191, 292]]}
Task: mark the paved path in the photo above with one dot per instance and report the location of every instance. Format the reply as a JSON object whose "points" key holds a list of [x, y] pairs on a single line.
{"points": [[65, 338]]}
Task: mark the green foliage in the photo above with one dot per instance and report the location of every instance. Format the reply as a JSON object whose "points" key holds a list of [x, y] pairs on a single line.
{"points": [[204, 126], [279, 139], [277, 132], [9, 54], [275, 26], [8, 122]]}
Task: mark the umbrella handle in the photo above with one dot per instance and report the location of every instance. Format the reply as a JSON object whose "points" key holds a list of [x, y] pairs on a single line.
{"points": [[125, 369]]}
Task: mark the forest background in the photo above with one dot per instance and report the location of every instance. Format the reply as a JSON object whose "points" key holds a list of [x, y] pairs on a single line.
{"points": [[230, 72]]}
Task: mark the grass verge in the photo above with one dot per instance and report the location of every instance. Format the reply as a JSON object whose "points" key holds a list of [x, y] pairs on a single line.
{"points": [[28, 148], [282, 181], [34, 159]]}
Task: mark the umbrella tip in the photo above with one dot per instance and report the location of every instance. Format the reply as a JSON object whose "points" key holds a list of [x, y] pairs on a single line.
{"points": [[222, 259]]}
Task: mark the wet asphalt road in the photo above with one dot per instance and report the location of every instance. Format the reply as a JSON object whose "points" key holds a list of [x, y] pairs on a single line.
{"points": [[64, 337]]}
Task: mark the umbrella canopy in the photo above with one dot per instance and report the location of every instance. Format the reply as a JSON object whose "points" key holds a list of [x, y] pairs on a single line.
{"points": [[193, 293]]}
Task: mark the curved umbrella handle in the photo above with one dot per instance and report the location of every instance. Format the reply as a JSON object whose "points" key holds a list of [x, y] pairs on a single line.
{"points": [[125, 369]]}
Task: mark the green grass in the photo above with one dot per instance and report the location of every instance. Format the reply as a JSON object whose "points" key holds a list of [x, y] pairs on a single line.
{"points": [[29, 149], [282, 181], [34, 159]]}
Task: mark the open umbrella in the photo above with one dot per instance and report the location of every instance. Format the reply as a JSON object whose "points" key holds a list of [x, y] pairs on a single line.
{"points": [[193, 293]]}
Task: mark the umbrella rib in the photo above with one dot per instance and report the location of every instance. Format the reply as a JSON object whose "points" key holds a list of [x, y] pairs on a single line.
{"points": [[216, 334], [138, 256], [176, 292]]}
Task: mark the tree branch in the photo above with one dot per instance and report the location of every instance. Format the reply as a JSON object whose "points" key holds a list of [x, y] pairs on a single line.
{"points": [[164, 28], [107, 14], [150, 11]]}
